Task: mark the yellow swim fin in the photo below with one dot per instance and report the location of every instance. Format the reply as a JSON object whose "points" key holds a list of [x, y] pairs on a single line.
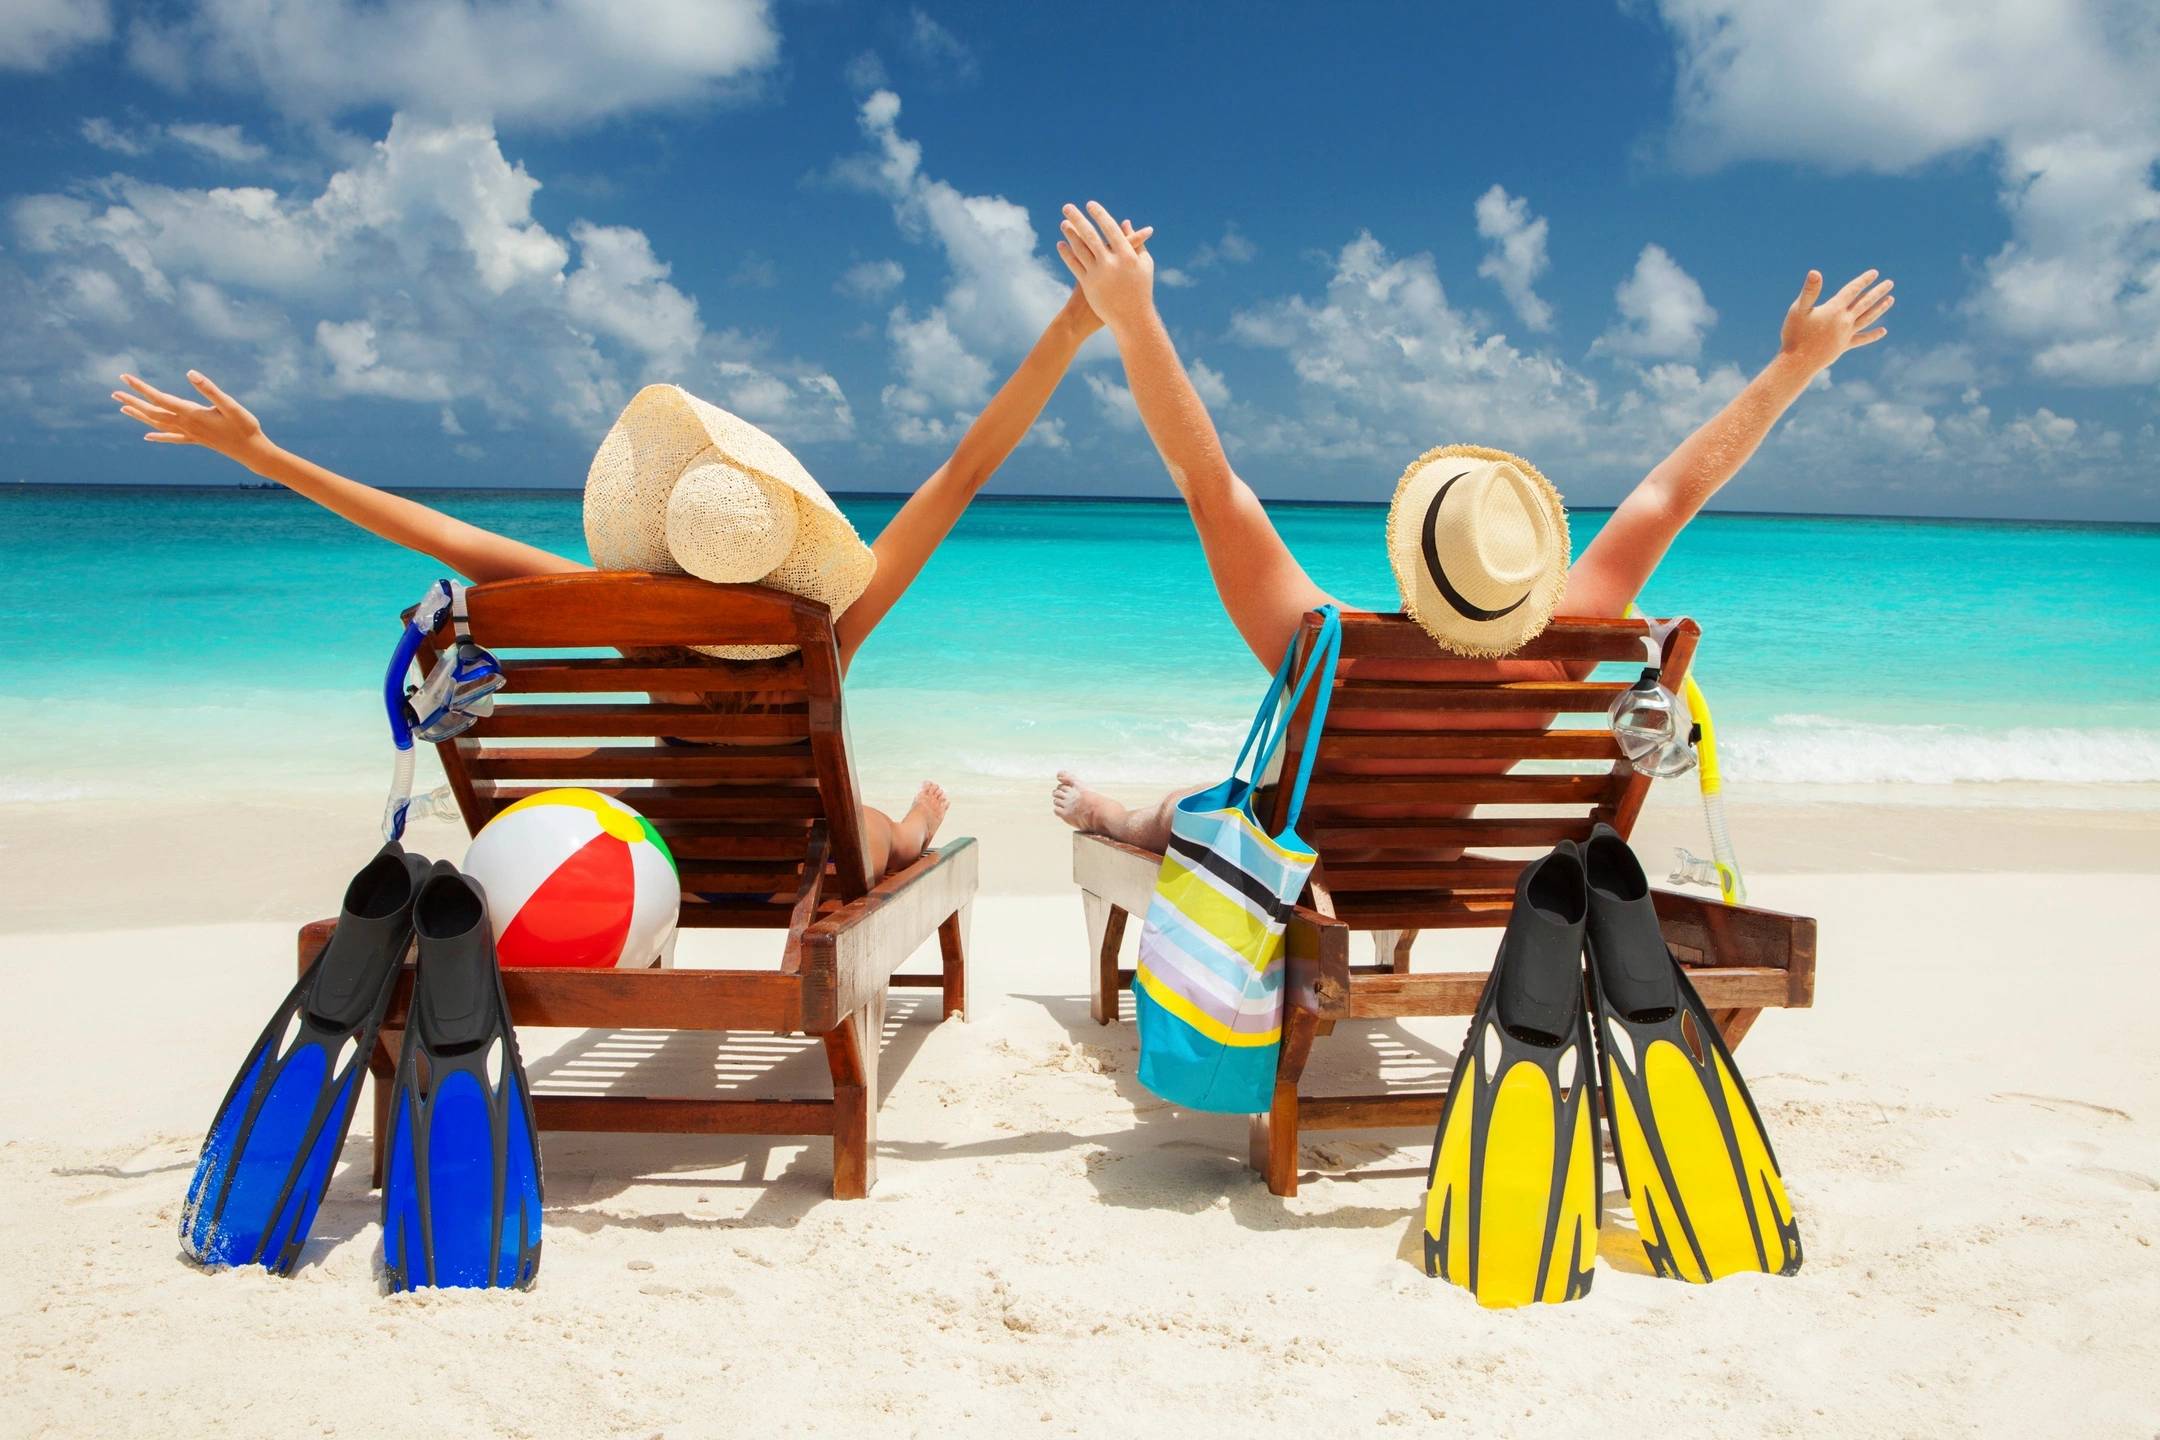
{"points": [[1697, 1166], [1512, 1198]]}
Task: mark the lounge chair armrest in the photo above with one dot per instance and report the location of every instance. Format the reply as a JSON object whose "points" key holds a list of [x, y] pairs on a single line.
{"points": [[850, 953], [1316, 956], [1120, 873], [1709, 933]]}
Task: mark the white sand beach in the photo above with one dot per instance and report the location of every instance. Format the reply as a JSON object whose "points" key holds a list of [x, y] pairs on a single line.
{"points": [[1969, 1121]]}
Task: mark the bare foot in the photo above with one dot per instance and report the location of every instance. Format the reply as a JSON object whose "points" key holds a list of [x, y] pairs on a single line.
{"points": [[1088, 811], [928, 810]]}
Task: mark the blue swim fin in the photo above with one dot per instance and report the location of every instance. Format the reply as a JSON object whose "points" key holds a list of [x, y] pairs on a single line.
{"points": [[461, 1197], [270, 1150]]}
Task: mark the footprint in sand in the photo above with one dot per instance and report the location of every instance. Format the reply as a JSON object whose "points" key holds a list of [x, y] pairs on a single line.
{"points": [[2058, 1103], [2120, 1179], [154, 1163]]}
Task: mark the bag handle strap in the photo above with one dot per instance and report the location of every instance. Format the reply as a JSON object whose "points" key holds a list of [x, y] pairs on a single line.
{"points": [[1264, 719], [1326, 647], [1327, 652]]}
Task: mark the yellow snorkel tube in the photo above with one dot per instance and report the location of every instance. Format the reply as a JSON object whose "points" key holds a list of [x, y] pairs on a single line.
{"points": [[1732, 887]]}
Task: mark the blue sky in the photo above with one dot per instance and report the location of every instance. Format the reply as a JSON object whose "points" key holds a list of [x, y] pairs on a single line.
{"points": [[440, 243]]}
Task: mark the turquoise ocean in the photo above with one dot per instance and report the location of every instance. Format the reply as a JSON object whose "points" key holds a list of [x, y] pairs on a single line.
{"points": [[234, 640]]}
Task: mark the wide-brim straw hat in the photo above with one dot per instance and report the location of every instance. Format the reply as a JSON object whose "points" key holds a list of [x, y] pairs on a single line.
{"points": [[680, 486], [1479, 542]]}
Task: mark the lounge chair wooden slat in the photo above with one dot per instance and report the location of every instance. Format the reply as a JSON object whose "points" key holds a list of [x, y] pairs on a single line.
{"points": [[766, 836], [633, 762], [1332, 792], [1369, 636], [1392, 810], [642, 612], [1346, 742], [619, 676], [1466, 874], [701, 840], [688, 802], [741, 877], [1445, 833], [700, 914], [683, 722], [1545, 697]]}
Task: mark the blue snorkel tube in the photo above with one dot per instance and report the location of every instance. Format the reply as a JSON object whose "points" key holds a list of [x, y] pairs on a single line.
{"points": [[401, 735], [456, 695]]}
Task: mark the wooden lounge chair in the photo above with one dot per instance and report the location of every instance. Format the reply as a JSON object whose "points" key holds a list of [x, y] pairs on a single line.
{"points": [[1393, 855], [767, 835]]}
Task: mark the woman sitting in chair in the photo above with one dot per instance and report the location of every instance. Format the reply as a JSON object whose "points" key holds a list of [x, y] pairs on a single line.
{"points": [[1477, 538], [679, 485]]}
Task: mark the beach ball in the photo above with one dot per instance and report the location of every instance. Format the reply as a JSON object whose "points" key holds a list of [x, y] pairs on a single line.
{"points": [[576, 878]]}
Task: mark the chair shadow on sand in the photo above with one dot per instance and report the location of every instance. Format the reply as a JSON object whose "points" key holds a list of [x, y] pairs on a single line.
{"points": [[583, 1170]]}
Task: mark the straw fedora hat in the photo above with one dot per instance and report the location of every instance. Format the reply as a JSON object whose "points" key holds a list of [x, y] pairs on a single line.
{"points": [[1479, 542], [682, 487]]}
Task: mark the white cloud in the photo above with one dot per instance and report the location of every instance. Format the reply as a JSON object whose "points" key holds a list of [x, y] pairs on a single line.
{"points": [[1663, 315], [866, 72], [227, 143], [1383, 366], [543, 62], [39, 34], [935, 367], [2064, 95], [755, 272], [1516, 257], [931, 44], [1232, 249], [1208, 383], [870, 279], [1388, 366], [620, 288], [417, 274], [999, 291], [220, 142], [1113, 402], [102, 133]]}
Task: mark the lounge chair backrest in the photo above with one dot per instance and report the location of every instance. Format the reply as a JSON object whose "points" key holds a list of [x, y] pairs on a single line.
{"points": [[1391, 844], [742, 816]]}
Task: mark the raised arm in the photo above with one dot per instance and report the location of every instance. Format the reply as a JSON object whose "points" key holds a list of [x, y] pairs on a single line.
{"points": [[906, 544], [1262, 586], [226, 426], [1613, 570]]}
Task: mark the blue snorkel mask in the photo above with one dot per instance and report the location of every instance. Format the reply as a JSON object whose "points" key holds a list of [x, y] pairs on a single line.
{"points": [[456, 695]]}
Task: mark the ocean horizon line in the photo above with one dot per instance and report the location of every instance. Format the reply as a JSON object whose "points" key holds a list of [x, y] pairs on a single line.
{"points": [[881, 496]]}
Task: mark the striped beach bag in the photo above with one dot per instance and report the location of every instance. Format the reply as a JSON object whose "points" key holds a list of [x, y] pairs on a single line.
{"points": [[1208, 989]]}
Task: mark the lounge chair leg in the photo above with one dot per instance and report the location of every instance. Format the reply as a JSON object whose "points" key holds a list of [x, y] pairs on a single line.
{"points": [[952, 945], [1106, 932], [1392, 948], [1734, 1025], [851, 1053], [1272, 1138]]}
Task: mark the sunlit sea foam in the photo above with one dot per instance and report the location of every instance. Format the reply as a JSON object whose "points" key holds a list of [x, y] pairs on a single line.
{"points": [[1825, 750]]}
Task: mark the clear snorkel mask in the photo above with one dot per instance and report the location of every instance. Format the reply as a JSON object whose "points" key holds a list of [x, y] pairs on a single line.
{"points": [[456, 695], [1649, 722]]}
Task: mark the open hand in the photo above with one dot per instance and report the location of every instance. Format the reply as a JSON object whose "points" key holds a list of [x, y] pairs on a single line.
{"points": [[1116, 276], [223, 425], [1077, 307], [1819, 334]]}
